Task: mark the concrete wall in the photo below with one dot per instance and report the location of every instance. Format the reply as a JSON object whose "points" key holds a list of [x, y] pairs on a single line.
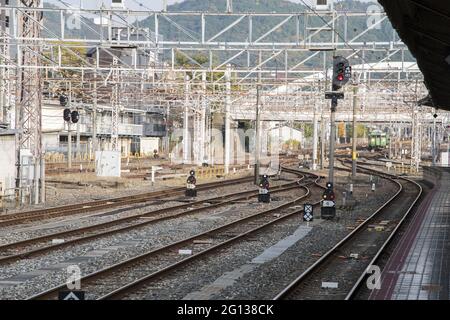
{"points": [[148, 144], [52, 118], [7, 164], [108, 163], [50, 141]]}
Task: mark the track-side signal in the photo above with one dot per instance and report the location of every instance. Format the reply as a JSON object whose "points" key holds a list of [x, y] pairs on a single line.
{"points": [[328, 208], [71, 116], [66, 115], [264, 185], [191, 185], [63, 100], [342, 72], [75, 116]]}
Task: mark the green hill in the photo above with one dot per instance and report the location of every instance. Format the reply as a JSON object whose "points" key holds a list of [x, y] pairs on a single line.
{"points": [[261, 25], [287, 33]]}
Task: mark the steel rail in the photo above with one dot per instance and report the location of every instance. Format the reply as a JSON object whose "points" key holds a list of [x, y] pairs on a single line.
{"points": [[359, 282], [18, 218], [82, 230], [105, 271], [329, 254], [122, 291]]}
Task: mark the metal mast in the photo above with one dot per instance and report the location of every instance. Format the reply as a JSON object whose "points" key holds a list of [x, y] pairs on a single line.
{"points": [[29, 90], [115, 106], [5, 77], [229, 6]]}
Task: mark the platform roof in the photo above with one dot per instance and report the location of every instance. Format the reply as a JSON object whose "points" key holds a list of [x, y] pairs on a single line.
{"points": [[423, 26]]}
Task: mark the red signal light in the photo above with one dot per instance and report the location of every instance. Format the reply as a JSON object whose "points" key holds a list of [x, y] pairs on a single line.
{"points": [[340, 77]]}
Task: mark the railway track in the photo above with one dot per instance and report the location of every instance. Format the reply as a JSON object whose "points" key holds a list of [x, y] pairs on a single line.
{"points": [[30, 247], [345, 264], [92, 206], [126, 276]]}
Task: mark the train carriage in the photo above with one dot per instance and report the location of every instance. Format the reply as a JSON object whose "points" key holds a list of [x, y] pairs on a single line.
{"points": [[378, 140]]}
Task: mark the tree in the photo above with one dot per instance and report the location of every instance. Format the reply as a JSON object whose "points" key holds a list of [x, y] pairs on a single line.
{"points": [[193, 62], [361, 131], [72, 54], [308, 130]]}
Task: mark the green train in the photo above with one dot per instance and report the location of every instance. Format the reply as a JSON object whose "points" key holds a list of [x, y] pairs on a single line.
{"points": [[378, 140]]}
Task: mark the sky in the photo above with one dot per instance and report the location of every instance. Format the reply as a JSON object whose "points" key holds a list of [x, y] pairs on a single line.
{"points": [[133, 4]]}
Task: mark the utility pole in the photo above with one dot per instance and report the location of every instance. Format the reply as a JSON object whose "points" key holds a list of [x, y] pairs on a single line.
{"points": [[355, 136], [203, 120], [69, 146], [42, 191], [390, 140], [78, 154], [322, 140], [186, 121], [115, 106], [69, 132], [315, 139], [167, 138], [419, 144], [433, 151], [227, 119], [322, 120], [258, 123], [413, 135], [334, 103], [257, 133], [94, 118]]}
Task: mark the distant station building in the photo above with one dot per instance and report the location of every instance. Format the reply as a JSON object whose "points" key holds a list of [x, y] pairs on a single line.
{"points": [[7, 163], [286, 136]]}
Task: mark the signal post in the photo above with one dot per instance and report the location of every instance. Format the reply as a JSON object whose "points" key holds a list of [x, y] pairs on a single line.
{"points": [[342, 72], [71, 117]]}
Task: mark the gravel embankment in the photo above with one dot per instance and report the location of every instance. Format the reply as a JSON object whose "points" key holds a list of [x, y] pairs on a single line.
{"points": [[42, 272], [231, 274]]}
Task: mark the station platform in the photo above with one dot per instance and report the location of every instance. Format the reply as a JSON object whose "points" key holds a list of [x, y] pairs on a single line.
{"points": [[419, 268]]}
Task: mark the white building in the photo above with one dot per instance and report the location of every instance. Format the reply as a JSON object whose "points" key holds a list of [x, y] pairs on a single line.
{"points": [[7, 163], [133, 125], [284, 134]]}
